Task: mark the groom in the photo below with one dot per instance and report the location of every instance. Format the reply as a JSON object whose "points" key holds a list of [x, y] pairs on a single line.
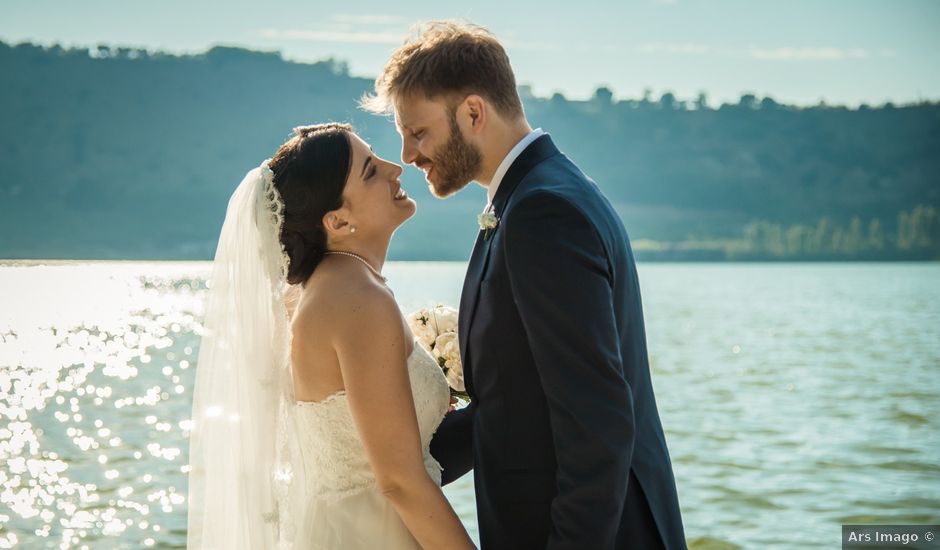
{"points": [[562, 432]]}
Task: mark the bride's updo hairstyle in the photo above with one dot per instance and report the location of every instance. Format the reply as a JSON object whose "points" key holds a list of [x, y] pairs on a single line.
{"points": [[310, 172]]}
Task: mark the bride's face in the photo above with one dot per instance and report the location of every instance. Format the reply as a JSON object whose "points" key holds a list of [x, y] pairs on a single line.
{"points": [[374, 197]]}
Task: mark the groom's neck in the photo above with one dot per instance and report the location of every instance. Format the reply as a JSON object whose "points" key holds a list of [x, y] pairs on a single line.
{"points": [[500, 138]]}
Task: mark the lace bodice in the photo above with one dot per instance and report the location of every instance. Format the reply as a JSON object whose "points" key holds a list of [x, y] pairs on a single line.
{"points": [[334, 458]]}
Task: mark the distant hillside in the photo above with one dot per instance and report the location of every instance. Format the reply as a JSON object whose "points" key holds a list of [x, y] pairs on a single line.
{"points": [[118, 153]]}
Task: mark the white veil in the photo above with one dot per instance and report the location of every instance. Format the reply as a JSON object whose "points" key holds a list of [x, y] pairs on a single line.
{"points": [[245, 464]]}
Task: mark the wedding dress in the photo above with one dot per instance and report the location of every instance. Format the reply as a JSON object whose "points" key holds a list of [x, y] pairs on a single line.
{"points": [[345, 510], [267, 471]]}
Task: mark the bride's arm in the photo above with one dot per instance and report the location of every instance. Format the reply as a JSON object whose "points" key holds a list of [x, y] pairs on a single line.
{"points": [[372, 348]]}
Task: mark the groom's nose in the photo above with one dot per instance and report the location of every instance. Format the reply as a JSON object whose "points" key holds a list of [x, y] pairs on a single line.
{"points": [[409, 150]]}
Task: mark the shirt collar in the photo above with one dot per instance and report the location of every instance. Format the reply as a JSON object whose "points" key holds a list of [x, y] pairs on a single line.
{"points": [[507, 162]]}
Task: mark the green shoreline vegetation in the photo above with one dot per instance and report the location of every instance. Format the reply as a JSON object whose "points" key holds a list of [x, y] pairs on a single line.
{"points": [[916, 238], [120, 153]]}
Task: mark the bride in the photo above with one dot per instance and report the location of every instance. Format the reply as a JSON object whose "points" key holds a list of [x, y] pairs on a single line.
{"points": [[313, 408]]}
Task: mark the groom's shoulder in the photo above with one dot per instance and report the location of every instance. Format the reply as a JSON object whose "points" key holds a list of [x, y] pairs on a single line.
{"points": [[558, 174], [557, 191], [552, 184], [543, 207]]}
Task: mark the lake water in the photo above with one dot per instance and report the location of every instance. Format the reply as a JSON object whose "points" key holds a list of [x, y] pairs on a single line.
{"points": [[795, 397]]}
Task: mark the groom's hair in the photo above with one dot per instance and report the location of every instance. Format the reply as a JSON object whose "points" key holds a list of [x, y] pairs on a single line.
{"points": [[451, 60]]}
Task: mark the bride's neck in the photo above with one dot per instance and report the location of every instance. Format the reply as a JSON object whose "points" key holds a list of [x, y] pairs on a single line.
{"points": [[373, 251]]}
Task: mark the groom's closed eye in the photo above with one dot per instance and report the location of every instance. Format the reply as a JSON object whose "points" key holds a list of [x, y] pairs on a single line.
{"points": [[415, 132]]}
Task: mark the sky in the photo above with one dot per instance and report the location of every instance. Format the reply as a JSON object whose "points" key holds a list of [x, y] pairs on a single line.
{"points": [[796, 51]]}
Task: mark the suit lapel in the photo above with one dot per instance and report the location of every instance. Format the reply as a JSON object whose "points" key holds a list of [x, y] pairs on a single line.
{"points": [[468, 302], [536, 152]]}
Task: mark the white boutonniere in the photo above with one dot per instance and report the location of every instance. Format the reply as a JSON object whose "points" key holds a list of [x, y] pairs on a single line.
{"points": [[488, 222]]}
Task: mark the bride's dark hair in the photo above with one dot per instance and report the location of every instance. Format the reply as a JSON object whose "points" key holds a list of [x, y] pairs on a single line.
{"points": [[310, 172]]}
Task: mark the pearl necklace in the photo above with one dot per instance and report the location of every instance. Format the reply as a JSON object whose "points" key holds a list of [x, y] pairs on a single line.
{"points": [[361, 259]]}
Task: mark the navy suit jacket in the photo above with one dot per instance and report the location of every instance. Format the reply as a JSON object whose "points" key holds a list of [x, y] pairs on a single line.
{"points": [[562, 432]]}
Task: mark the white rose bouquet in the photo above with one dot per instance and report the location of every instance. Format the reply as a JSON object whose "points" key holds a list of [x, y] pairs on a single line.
{"points": [[435, 329]]}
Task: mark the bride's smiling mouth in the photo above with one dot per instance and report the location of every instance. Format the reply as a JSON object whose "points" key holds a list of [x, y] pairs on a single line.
{"points": [[401, 194]]}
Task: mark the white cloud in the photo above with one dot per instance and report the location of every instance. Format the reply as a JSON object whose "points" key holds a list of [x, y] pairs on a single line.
{"points": [[375, 19], [807, 54], [346, 28], [674, 48], [335, 37], [767, 54], [522, 45]]}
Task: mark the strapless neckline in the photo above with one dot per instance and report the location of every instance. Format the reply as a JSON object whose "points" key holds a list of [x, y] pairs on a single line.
{"points": [[334, 456], [341, 393]]}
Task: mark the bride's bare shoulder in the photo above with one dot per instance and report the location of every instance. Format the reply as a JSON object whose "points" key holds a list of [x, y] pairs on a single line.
{"points": [[341, 298]]}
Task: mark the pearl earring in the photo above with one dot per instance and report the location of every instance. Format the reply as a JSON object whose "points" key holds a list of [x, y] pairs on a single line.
{"points": [[352, 229]]}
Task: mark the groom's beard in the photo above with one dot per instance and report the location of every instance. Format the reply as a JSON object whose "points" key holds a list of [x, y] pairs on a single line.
{"points": [[457, 164]]}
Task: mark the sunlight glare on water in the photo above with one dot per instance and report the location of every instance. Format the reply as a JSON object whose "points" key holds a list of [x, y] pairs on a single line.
{"points": [[794, 397], [92, 448]]}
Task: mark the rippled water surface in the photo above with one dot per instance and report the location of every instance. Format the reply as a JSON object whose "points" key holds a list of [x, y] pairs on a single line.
{"points": [[795, 397]]}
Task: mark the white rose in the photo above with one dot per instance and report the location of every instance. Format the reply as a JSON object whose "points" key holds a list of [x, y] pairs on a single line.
{"points": [[446, 318], [445, 345], [423, 328], [447, 352], [455, 376]]}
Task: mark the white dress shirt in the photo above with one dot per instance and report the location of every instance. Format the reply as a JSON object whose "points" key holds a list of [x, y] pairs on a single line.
{"points": [[507, 162]]}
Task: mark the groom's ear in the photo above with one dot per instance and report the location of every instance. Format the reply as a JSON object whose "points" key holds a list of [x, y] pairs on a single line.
{"points": [[476, 111]]}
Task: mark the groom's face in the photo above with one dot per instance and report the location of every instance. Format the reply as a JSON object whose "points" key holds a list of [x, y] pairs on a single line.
{"points": [[433, 142]]}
